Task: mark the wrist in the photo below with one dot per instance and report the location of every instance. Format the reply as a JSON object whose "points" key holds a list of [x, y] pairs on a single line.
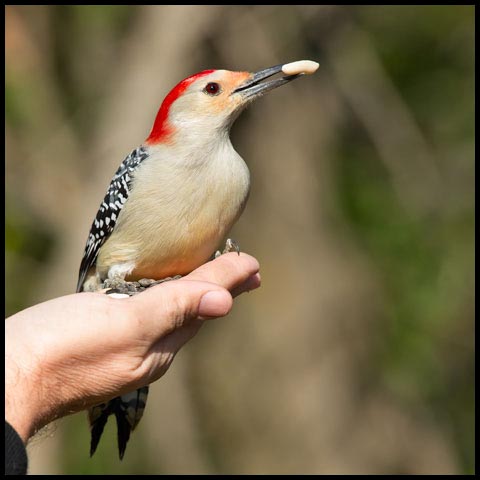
{"points": [[25, 406]]}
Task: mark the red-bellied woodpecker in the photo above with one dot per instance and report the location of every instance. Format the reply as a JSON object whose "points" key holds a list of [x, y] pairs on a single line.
{"points": [[173, 199]]}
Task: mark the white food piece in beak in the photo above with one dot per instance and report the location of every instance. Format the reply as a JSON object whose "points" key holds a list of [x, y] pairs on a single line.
{"points": [[301, 66]]}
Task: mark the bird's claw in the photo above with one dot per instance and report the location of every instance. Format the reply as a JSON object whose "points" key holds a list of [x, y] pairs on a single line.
{"points": [[132, 288], [230, 246]]}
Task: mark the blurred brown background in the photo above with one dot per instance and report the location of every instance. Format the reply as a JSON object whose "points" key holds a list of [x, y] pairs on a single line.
{"points": [[356, 355]]}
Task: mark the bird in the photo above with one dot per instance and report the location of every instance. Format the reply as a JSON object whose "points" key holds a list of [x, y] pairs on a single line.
{"points": [[173, 200]]}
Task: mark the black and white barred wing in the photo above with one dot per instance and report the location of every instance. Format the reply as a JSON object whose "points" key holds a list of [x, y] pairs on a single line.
{"points": [[109, 210]]}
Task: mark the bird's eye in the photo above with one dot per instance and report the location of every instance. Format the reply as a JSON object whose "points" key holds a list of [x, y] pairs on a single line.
{"points": [[212, 88]]}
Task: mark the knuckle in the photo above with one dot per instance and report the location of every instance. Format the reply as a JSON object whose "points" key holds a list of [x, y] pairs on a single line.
{"points": [[177, 310]]}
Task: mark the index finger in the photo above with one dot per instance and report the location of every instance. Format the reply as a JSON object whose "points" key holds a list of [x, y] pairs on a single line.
{"points": [[229, 270]]}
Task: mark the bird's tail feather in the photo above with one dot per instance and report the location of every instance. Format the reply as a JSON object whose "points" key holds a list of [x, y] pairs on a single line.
{"points": [[128, 410]]}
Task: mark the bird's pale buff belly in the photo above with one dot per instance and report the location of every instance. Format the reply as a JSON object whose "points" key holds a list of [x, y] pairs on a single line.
{"points": [[173, 242]]}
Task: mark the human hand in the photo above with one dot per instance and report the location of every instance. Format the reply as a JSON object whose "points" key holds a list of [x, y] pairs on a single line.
{"points": [[76, 351]]}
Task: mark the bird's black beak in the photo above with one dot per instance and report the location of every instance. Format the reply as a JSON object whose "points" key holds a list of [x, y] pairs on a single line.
{"points": [[254, 86]]}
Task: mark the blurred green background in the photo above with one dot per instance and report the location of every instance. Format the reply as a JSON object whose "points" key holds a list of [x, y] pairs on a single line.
{"points": [[357, 354]]}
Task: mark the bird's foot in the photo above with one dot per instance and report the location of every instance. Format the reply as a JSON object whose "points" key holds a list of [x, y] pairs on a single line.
{"points": [[230, 246], [117, 285]]}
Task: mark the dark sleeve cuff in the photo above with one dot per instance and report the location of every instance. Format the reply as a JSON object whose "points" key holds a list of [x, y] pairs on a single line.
{"points": [[15, 452]]}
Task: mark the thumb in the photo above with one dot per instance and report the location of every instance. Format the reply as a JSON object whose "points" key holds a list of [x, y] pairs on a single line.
{"points": [[215, 303], [169, 305]]}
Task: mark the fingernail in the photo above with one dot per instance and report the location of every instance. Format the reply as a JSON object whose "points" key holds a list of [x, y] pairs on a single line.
{"points": [[253, 282], [215, 304]]}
